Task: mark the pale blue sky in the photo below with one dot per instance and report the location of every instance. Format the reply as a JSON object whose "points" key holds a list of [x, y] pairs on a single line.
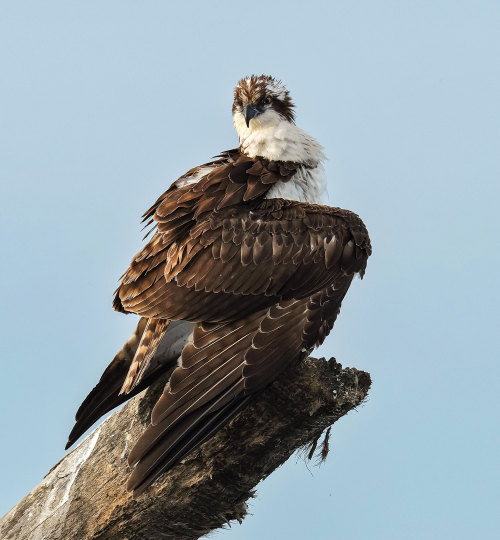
{"points": [[104, 104]]}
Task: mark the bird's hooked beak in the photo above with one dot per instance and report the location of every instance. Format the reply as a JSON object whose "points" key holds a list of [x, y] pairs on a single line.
{"points": [[251, 111]]}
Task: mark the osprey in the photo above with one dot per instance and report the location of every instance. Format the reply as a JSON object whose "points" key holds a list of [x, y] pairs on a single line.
{"points": [[243, 275]]}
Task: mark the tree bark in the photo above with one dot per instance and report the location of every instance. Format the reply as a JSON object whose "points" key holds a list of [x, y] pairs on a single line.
{"points": [[84, 495]]}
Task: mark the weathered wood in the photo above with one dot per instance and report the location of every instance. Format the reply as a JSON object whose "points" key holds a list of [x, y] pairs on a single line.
{"points": [[84, 495]]}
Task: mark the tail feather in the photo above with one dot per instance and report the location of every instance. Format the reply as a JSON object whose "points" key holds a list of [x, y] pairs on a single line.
{"points": [[151, 337], [106, 395]]}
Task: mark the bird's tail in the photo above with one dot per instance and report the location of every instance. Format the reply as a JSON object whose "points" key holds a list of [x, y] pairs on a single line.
{"points": [[151, 337], [106, 394]]}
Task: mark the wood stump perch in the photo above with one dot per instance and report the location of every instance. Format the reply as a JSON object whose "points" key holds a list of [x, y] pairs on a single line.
{"points": [[84, 496]]}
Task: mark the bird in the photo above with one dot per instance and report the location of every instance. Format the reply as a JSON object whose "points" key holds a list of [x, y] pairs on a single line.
{"points": [[243, 275]]}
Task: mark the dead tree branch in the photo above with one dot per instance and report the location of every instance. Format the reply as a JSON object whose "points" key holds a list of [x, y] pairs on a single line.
{"points": [[84, 497]]}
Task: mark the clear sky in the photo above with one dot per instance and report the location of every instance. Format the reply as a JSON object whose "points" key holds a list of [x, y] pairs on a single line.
{"points": [[104, 104]]}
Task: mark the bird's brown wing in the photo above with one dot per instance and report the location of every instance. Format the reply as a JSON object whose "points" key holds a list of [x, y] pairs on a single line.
{"points": [[295, 262], [239, 260], [223, 366], [233, 181], [232, 178]]}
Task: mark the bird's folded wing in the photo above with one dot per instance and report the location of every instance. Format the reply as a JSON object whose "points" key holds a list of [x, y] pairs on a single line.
{"points": [[222, 365], [241, 259], [233, 180]]}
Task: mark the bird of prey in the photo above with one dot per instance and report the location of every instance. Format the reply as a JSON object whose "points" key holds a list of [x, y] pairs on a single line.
{"points": [[244, 274]]}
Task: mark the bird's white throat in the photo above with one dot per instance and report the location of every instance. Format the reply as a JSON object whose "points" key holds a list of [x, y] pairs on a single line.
{"points": [[272, 137]]}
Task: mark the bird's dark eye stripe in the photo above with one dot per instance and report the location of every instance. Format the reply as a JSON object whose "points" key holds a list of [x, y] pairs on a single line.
{"points": [[265, 101]]}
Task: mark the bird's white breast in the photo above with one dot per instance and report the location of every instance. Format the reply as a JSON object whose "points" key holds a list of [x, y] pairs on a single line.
{"points": [[306, 185]]}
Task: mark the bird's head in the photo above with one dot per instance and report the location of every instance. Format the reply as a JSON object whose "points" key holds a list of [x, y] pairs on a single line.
{"points": [[261, 101]]}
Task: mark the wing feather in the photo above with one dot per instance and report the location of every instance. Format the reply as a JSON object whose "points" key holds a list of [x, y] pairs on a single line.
{"points": [[222, 366]]}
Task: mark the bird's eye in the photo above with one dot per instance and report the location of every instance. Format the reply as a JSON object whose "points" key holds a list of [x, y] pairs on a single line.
{"points": [[238, 103], [268, 100]]}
